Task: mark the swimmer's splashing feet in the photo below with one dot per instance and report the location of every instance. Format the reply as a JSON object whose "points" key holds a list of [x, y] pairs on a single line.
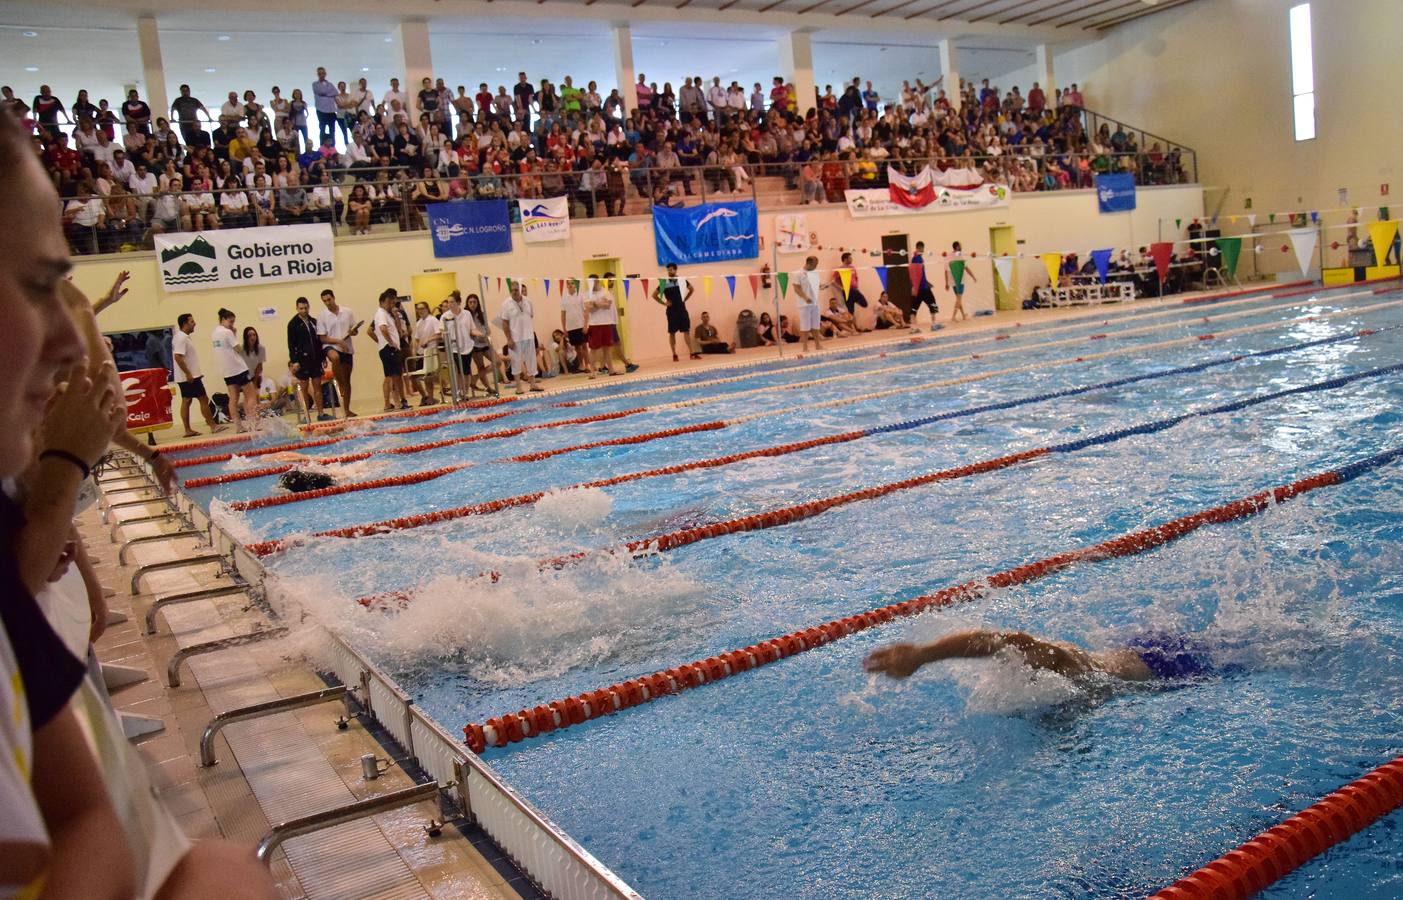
{"points": [[902, 660]]}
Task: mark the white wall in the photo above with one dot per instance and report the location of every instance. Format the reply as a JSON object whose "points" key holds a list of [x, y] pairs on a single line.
{"points": [[1060, 222]]}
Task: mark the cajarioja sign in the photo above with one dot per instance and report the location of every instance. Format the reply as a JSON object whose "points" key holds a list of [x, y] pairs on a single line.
{"points": [[194, 261]]}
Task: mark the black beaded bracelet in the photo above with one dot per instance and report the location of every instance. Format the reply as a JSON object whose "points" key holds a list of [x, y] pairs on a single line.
{"points": [[70, 457]]}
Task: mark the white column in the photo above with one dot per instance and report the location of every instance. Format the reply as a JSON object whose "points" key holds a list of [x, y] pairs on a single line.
{"points": [[949, 71], [153, 72], [796, 63], [623, 66], [418, 61], [1046, 76]]}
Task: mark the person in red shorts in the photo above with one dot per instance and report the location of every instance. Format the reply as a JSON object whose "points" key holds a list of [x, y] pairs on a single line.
{"points": [[604, 327]]}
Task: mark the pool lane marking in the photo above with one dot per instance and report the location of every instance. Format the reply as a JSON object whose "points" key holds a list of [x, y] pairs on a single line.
{"points": [[1285, 847], [779, 450], [1062, 342], [1143, 309], [509, 728], [798, 512], [359, 434], [718, 424], [645, 437]]}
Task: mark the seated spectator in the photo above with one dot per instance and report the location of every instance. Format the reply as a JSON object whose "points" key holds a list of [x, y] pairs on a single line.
{"points": [[788, 332], [234, 204], [837, 321], [198, 206], [888, 313], [766, 330], [293, 202], [83, 218], [709, 339]]}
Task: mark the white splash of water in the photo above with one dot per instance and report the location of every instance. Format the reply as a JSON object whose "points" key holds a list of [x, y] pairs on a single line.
{"points": [[570, 510], [529, 625], [234, 523]]}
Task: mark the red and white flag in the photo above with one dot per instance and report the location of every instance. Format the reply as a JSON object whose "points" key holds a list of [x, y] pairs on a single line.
{"points": [[912, 192]]}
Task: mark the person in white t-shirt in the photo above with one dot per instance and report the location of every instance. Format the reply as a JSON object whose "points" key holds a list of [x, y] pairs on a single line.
{"points": [[385, 330], [188, 377], [806, 287], [242, 391], [572, 322], [428, 341], [604, 326], [517, 320], [336, 325]]}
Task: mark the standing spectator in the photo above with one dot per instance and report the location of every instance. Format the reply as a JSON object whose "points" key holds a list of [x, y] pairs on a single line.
{"points": [[46, 107], [336, 326], [923, 293], [428, 345], [525, 95], [757, 99], [668, 293], [253, 353], [12, 104], [188, 377], [1072, 97], [806, 288], [645, 93], [297, 115], [136, 113], [324, 97], [716, 99], [243, 393], [604, 327], [385, 330], [346, 108], [955, 272], [691, 101], [1037, 100], [853, 297], [186, 109], [428, 100], [870, 99], [304, 354], [572, 322], [517, 320], [393, 95]]}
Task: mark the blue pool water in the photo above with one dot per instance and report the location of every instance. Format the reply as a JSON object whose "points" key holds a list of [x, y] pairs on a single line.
{"points": [[810, 778]]}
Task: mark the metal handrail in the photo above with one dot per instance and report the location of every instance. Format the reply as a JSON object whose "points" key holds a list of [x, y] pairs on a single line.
{"points": [[340, 815], [154, 538], [267, 708], [161, 603], [238, 640], [147, 569]]}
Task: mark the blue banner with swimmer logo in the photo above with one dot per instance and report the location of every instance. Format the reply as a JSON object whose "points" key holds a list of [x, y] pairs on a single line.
{"points": [[1115, 193], [469, 227], [712, 232]]}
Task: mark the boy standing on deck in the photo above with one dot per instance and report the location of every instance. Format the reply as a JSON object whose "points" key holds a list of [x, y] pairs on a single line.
{"points": [[573, 321], [336, 325], [955, 272]]}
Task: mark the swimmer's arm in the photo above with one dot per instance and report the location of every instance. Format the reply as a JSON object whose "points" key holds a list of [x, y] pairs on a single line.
{"points": [[903, 660]]}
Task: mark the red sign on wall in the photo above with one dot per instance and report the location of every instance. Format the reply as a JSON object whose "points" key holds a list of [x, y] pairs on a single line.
{"points": [[148, 400]]}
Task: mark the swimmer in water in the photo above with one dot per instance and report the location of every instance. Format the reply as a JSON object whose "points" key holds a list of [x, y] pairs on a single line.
{"points": [[300, 480], [1147, 657]]}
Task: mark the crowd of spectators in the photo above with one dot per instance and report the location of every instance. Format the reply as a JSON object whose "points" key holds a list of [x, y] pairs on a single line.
{"points": [[337, 153]]}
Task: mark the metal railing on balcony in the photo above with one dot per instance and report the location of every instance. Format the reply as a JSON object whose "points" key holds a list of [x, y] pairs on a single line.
{"points": [[360, 199]]}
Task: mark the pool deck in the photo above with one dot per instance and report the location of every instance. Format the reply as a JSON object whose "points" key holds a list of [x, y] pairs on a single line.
{"points": [[296, 763]]}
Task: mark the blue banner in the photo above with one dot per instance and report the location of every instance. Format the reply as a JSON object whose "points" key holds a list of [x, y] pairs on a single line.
{"points": [[1102, 258], [711, 232], [469, 227], [1115, 193]]}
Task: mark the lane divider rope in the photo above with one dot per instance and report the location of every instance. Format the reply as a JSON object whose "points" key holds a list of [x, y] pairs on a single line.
{"points": [[491, 506], [947, 382], [338, 489], [358, 434], [510, 728], [1281, 849], [788, 515], [725, 423]]}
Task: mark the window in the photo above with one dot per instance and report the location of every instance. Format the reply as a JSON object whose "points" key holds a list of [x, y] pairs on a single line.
{"points": [[1302, 73]]}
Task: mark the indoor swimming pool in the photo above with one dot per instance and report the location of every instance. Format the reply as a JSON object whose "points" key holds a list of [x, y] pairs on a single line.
{"points": [[809, 777]]}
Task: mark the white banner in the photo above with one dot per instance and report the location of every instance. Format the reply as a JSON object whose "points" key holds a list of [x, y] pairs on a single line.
{"points": [[197, 261], [865, 203], [791, 232], [545, 220], [1003, 265]]}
